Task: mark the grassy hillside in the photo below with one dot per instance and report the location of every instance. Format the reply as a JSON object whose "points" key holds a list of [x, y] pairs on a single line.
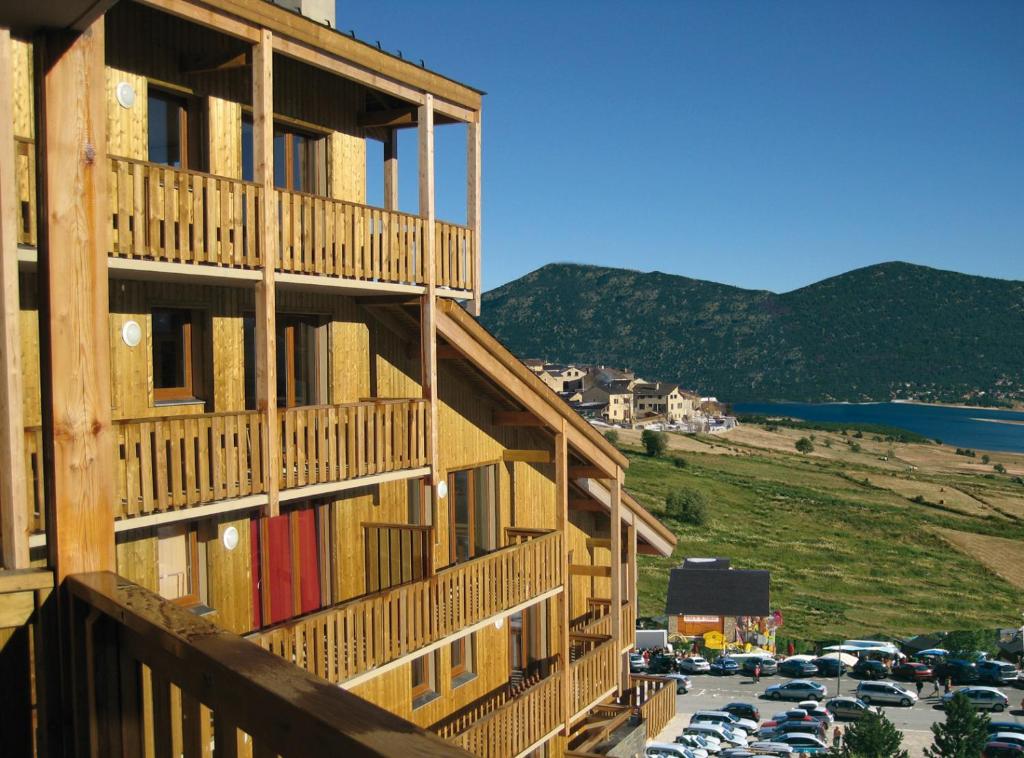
{"points": [[849, 557], [893, 329]]}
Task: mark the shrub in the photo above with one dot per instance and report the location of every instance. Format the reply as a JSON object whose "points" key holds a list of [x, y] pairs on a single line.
{"points": [[858, 434], [612, 436], [804, 446], [999, 468], [678, 462], [654, 442], [985, 459], [687, 506], [855, 447]]}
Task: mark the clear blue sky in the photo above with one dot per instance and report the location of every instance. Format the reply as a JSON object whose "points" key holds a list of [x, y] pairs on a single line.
{"points": [[761, 144]]}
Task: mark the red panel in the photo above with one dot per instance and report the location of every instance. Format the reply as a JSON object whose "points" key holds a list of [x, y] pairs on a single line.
{"points": [[254, 546], [279, 574], [309, 569]]}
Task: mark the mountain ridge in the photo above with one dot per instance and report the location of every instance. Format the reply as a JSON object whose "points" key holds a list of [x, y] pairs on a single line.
{"points": [[888, 330]]}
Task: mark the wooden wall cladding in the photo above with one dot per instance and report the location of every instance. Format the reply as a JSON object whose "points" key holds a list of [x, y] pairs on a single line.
{"points": [[127, 128], [24, 102]]}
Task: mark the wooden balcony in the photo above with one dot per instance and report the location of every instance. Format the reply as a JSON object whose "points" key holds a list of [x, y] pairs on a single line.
{"points": [[164, 214], [514, 725], [593, 674], [396, 554], [154, 679], [183, 461], [628, 625], [350, 639], [324, 444], [654, 699]]}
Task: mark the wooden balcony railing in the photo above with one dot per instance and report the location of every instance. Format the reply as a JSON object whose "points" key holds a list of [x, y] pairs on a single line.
{"points": [[182, 461], [628, 625], [517, 724], [338, 643], [454, 249], [25, 177], [515, 534], [152, 678], [333, 443], [160, 213], [593, 674], [654, 698], [396, 554], [326, 237]]}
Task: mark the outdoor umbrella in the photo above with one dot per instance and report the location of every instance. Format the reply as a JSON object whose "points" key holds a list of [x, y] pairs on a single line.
{"points": [[933, 651]]}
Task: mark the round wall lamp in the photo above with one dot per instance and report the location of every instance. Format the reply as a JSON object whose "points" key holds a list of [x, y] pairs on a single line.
{"points": [[442, 489], [131, 333], [125, 94], [498, 623], [230, 538]]}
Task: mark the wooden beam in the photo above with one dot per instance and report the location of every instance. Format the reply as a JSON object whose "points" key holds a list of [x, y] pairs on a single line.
{"points": [[631, 594], [428, 308], [515, 418], [392, 117], [587, 472], [448, 353], [266, 305], [473, 207], [391, 171], [599, 542], [236, 61], [616, 567], [561, 452], [526, 456], [13, 488], [582, 569], [585, 504], [74, 240]]}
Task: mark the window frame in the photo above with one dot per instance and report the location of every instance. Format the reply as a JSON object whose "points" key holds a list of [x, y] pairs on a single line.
{"points": [[426, 689], [288, 324], [181, 104], [185, 392]]}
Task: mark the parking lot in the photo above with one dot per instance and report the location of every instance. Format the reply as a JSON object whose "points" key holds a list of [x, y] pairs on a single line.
{"points": [[711, 692]]}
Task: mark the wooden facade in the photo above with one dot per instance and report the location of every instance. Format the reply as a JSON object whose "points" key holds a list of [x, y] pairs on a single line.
{"points": [[265, 400]]}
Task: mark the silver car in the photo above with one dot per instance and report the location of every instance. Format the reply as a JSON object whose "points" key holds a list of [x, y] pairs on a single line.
{"points": [[982, 698], [886, 692], [694, 665]]}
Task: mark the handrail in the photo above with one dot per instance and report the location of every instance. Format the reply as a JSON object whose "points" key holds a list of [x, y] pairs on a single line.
{"points": [[517, 724], [127, 640], [341, 642], [592, 675], [655, 701]]}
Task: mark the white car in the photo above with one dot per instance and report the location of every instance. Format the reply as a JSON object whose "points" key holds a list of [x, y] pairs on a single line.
{"points": [[724, 735], [725, 719], [669, 750], [982, 698], [694, 665], [816, 710], [709, 745], [772, 748]]}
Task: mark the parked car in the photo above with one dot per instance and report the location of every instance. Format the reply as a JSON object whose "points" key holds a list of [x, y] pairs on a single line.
{"points": [[816, 710], [694, 665], [793, 714], [996, 672], [868, 669], [913, 672], [1006, 726], [885, 692], [658, 665], [743, 711], [725, 719], [798, 689], [772, 748], [637, 663], [849, 708], [725, 735], [1009, 738], [795, 727], [797, 667], [703, 743], [667, 750], [682, 682], [829, 667], [982, 698], [802, 742], [1002, 750], [768, 666], [959, 670], [724, 666]]}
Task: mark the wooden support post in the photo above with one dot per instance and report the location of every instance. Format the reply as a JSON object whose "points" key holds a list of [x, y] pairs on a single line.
{"points": [[631, 572], [473, 208], [428, 308], [564, 599], [74, 334], [13, 489], [615, 486], [391, 170], [266, 328]]}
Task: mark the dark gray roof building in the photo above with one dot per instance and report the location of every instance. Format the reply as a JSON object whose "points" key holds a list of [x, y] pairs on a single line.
{"points": [[718, 592]]}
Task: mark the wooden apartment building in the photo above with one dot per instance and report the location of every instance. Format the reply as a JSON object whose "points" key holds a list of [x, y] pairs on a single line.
{"points": [[266, 485]]}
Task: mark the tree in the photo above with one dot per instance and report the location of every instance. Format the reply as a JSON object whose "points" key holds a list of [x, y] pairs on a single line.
{"points": [[985, 459], [999, 468], [967, 643], [687, 506], [654, 442], [612, 436], [872, 736], [804, 445], [964, 733]]}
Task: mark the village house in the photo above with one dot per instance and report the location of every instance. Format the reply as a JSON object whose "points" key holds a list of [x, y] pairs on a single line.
{"points": [[665, 400], [267, 487]]}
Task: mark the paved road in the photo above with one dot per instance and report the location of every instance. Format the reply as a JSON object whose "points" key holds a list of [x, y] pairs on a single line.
{"points": [[712, 692]]}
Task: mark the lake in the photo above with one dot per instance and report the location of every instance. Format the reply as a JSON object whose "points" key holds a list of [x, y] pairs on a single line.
{"points": [[978, 428]]}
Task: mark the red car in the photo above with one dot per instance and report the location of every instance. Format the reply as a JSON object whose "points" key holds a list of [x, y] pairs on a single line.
{"points": [[912, 672]]}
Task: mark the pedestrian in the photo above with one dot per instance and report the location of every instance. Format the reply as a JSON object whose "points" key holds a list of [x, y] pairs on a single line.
{"points": [[935, 682], [757, 673], [837, 738], [920, 686], [949, 685]]}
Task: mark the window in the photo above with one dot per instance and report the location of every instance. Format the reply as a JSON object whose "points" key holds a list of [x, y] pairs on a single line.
{"points": [[178, 563], [177, 353], [419, 502], [302, 372], [473, 512], [424, 679], [168, 129], [300, 158], [463, 659]]}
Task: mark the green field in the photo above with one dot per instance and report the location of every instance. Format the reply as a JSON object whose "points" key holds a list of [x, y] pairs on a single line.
{"points": [[848, 558]]}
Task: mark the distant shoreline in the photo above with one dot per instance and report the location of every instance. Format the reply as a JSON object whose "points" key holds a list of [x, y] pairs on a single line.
{"points": [[1014, 407], [1011, 421]]}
